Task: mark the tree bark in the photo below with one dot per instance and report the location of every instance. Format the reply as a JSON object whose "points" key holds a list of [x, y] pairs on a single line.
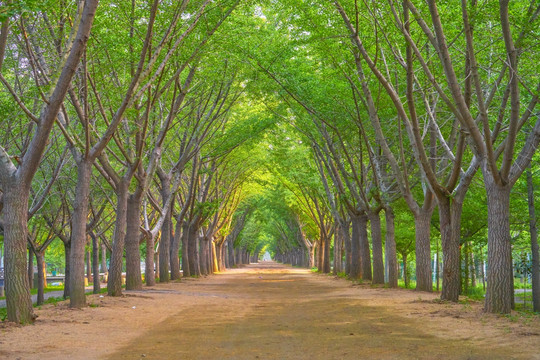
{"points": [[31, 267], [450, 227], [18, 300], [67, 269], [41, 277], [423, 251], [326, 257], [193, 249], [114, 287], [175, 250], [133, 252], [355, 269], [186, 253], [95, 263], [500, 286], [77, 297], [165, 255], [376, 241], [104, 259], [390, 249], [364, 248]]}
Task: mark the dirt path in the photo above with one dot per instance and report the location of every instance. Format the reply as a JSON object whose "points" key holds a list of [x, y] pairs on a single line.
{"points": [[268, 311]]}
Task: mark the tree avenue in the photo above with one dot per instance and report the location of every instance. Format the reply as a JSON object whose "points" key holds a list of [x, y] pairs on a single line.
{"points": [[388, 142]]}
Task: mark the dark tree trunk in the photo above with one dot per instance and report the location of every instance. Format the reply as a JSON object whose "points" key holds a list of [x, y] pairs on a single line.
{"points": [[149, 268], [364, 248], [175, 250], [534, 245], [95, 263], [405, 270], [423, 251], [88, 268], [15, 212], [133, 250], [41, 277], [326, 257], [500, 286], [77, 297], [347, 243], [376, 241], [355, 268], [104, 259], [164, 248], [114, 287], [31, 267], [67, 271], [450, 227], [203, 241], [390, 249], [186, 263], [193, 249]]}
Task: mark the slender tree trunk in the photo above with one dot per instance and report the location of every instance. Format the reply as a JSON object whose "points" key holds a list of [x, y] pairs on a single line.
{"points": [[348, 247], [88, 268], [67, 269], [104, 258], [186, 253], [41, 277], [31, 267], [337, 253], [423, 251], [450, 227], [326, 257], [164, 248], [133, 250], [364, 248], [194, 263], [95, 263], [376, 241], [500, 286], [355, 268], [203, 255], [405, 270], [149, 271], [390, 249], [534, 245], [174, 251], [114, 287], [77, 297]]}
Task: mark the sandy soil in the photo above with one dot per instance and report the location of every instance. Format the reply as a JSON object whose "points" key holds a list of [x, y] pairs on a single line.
{"points": [[268, 311]]}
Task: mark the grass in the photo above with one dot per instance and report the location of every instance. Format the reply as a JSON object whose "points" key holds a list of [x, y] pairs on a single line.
{"points": [[46, 290]]}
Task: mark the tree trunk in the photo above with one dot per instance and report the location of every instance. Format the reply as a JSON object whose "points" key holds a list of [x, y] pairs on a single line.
{"points": [[77, 297], [450, 227], [203, 241], [500, 287], [31, 267], [149, 270], [364, 248], [186, 253], [133, 250], [194, 263], [114, 287], [534, 245], [423, 251], [88, 268], [41, 277], [326, 257], [18, 300], [355, 268], [95, 263], [376, 241], [175, 250], [347, 241], [390, 249], [405, 270], [104, 258], [165, 249], [67, 269]]}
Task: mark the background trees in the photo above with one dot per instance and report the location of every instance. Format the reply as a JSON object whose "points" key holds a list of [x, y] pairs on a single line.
{"points": [[212, 132]]}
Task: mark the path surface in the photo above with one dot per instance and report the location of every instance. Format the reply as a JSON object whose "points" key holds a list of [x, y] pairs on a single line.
{"points": [[269, 311], [47, 295]]}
